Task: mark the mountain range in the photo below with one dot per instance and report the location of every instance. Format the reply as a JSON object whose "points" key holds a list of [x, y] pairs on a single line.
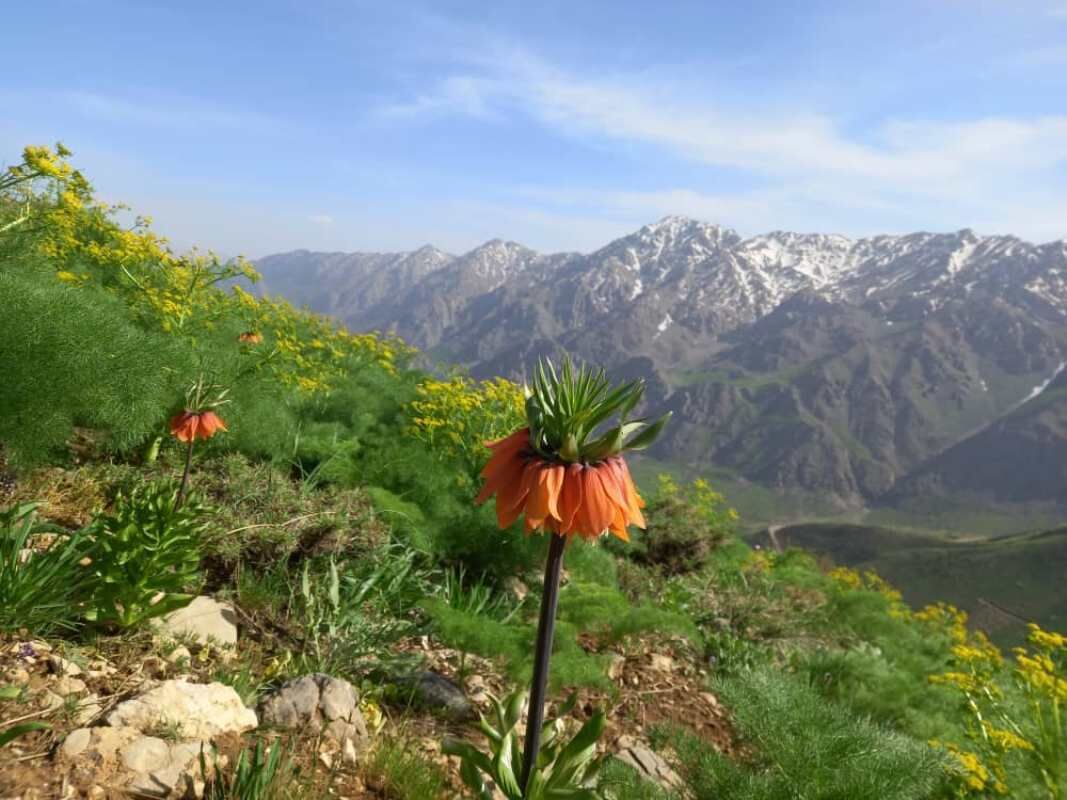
{"points": [[892, 370]]}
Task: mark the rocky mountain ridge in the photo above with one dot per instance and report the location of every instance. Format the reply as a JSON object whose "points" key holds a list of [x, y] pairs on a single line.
{"points": [[796, 361]]}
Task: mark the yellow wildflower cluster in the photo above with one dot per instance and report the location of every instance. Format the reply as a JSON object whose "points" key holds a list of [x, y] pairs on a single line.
{"points": [[459, 415], [1043, 672], [944, 618], [846, 577], [309, 351], [871, 581], [1007, 735], [975, 778], [181, 294]]}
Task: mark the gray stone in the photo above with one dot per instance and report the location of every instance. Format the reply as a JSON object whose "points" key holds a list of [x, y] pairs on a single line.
{"points": [[435, 692], [319, 702], [337, 699], [89, 708], [648, 764], [61, 666], [196, 710], [205, 620]]}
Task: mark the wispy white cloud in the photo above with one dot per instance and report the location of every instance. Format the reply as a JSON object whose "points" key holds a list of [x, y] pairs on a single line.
{"points": [[321, 219], [897, 168], [457, 94]]}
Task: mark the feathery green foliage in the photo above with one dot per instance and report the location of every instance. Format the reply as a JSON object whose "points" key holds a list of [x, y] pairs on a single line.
{"points": [[805, 747], [74, 357]]}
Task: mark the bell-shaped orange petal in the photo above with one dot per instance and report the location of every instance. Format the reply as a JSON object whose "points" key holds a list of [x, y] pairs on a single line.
{"points": [[504, 468], [553, 478], [517, 440], [543, 500], [618, 525], [210, 424], [634, 503], [183, 426], [570, 498], [597, 511]]}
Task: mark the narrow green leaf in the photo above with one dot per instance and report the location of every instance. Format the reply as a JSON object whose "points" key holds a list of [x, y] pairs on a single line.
{"points": [[11, 734]]}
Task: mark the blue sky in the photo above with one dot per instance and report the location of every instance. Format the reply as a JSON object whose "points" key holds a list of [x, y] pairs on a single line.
{"points": [[344, 125]]}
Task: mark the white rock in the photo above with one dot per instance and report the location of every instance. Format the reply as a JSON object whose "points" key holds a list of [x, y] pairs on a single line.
{"points": [[17, 675], [146, 754], [205, 620], [178, 655], [65, 686], [88, 709], [349, 754], [76, 742], [196, 710], [661, 663]]}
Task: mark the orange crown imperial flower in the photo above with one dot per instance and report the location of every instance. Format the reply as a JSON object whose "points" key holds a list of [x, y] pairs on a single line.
{"points": [[190, 425], [557, 472], [250, 337], [198, 420]]}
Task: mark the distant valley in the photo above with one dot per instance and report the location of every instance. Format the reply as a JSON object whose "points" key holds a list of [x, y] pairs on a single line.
{"points": [[1002, 582], [919, 376]]}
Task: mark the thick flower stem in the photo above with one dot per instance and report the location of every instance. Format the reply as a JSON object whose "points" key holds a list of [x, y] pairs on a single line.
{"points": [[545, 628], [185, 475]]}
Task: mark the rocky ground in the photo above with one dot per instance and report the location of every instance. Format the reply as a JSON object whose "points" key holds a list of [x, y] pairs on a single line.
{"points": [[131, 717]]}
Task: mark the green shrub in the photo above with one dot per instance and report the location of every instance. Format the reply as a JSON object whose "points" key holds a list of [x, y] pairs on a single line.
{"points": [[73, 357], [41, 591], [684, 525], [145, 556], [263, 517], [804, 746], [476, 596], [350, 614]]}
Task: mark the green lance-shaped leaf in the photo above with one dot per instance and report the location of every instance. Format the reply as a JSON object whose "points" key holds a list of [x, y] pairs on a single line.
{"points": [[648, 435], [11, 734], [504, 767], [578, 753]]}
